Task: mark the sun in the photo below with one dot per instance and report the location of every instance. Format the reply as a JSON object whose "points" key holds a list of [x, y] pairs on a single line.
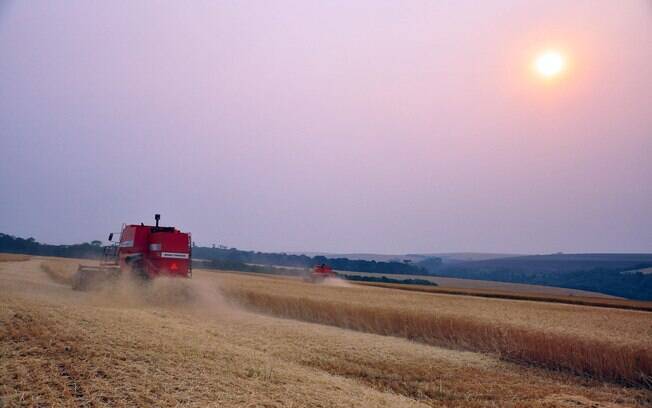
{"points": [[550, 64]]}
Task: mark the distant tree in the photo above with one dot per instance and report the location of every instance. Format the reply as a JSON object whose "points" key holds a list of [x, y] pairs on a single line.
{"points": [[432, 264]]}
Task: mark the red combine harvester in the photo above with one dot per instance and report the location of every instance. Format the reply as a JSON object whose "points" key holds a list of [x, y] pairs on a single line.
{"points": [[145, 251], [320, 272]]}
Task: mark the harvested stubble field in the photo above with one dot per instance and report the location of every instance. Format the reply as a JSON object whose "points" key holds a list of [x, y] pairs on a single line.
{"points": [[608, 302], [194, 343], [501, 287]]}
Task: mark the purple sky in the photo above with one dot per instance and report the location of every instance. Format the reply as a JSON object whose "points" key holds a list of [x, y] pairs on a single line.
{"points": [[330, 126]]}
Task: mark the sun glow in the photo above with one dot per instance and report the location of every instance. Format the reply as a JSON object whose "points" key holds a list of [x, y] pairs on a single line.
{"points": [[550, 64]]}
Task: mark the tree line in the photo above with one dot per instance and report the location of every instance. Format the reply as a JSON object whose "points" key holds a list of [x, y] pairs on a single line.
{"points": [[305, 261], [222, 256], [30, 246], [614, 274]]}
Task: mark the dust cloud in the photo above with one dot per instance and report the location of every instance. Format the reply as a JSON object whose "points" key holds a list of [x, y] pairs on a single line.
{"points": [[337, 282], [197, 296]]}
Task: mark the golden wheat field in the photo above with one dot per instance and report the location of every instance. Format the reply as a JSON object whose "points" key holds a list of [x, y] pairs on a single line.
{"points": [[240, 340]]}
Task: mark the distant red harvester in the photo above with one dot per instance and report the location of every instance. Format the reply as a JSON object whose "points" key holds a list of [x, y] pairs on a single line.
{"points": [[319, 273], [145, 251]]}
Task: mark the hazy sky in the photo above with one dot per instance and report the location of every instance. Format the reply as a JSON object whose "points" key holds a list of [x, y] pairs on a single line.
{"points": [[392, 127]]}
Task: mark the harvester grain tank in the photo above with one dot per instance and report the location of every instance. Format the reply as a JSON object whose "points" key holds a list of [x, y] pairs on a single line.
{"points": [[145, 252]]}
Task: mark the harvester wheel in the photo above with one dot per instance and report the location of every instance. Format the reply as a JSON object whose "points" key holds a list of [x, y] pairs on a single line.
{"points": [[139, 273], [80, 280]]}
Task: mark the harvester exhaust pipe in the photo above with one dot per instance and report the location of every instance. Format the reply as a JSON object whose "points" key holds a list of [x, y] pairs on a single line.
{"points": [[156, 218]]}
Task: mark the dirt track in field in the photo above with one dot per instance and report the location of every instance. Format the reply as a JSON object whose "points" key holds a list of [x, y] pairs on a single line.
{"points": [[180, 343]]}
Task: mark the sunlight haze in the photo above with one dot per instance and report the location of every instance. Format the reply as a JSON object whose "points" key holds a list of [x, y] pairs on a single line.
{"points": [[367, 126]]}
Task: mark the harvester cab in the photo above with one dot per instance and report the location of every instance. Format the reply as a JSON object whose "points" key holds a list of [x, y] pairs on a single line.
{"points": [[145, 251]]}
